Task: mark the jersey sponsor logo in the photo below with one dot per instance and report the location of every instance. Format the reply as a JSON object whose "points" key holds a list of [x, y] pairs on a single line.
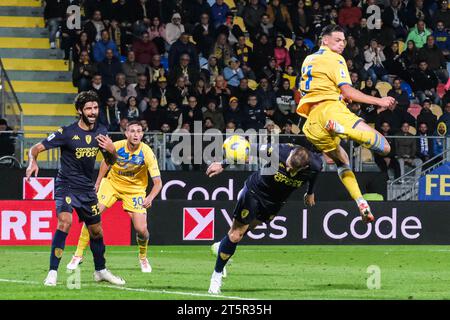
{"points": [[38, 188], [86, 152], [76, 137], [88, 139], [281, 178], [198, 223]]}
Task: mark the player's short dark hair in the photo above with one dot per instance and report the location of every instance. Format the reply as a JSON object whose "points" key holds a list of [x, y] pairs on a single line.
{"points": [[299, 157], [329, 29], [84, 97], [134, 122]]}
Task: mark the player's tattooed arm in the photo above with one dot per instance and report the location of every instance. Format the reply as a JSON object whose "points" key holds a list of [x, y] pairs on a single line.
{"points": [[107, 148], [32, 160]]}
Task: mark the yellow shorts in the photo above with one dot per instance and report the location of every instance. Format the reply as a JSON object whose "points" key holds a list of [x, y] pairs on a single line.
{"points": [[314, 127], [108, 193]]}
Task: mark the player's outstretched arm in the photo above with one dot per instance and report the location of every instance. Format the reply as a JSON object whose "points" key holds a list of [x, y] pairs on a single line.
{"points": [[101, 173], [214, 169], [351, 94], [32, 160], [157, 186]]}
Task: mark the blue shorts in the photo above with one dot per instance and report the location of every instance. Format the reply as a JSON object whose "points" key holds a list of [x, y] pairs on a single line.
{"points": [[251, 207], [84, 203]]}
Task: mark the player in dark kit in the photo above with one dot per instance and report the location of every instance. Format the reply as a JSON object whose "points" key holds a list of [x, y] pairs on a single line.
{"points": [[79, 143], [263, 196]]}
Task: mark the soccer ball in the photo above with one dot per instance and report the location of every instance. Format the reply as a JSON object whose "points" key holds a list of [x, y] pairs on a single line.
{"points": [[236, 149]]}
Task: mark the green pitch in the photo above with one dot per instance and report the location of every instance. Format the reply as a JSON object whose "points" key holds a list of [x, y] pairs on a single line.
{"points": [[258, 272]]}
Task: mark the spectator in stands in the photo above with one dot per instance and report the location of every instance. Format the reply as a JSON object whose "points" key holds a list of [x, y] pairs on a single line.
{"points": [[266, 97], [266, 27], [285, 104], [143, 92], [424, 144], [387, 161], [120, 36], [222, 50], [204, 35], [442, 130], [349, 15], [242, 50], [211, 70], [122, 12], [192, 112], [104, 44], [83, 71], [131, 110], [100, 88], [131, 68], [355, 107], [242, 91], [200, 91], [183, 46], [233, 113], [419, 34], [69, 36], [356, 83], [155, 115], [434, 58], [109, 68], [54, 15], [174, 29], [174, 116], [82, 44], [416, 12], [215, 114], [427, 117], [7, 142], [301, 20], [253, 114], [281, 54], [157, 34], [220, 92], [233, 73], [252, 15], [262, 50], [395, 117], [442, 38], [144, 49], [291, 75], [156, 69], [425, 83], [405, 150], [273, 73], [184, 69], [122, 128], [279, 16], [160, 91], [94, 27], [179, 93], [393, 61], [219, 12], [442, 14], [105, 8], [399, 94], [121, 91], [374, 58], [410, 57], [109, 115], [394, 16], [298, 52]]}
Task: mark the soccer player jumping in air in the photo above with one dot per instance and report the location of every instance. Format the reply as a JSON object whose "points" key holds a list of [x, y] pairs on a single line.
{"points": [[79, 143], [325, 86], [263, 196], [127, 181]]}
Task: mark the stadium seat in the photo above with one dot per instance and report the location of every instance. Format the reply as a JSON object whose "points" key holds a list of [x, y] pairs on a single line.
{"points": [[436, 110], [373, 197], [383, 88], [289, 43], [231, 4], [252, 84], [165, 62], [401, 46], [414, 110], [240, 23], [406, 87], [309, 43], [440, 90], [412, 130]]}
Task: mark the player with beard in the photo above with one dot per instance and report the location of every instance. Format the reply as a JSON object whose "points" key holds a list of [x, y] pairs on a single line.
{"points": [[79, 143]]}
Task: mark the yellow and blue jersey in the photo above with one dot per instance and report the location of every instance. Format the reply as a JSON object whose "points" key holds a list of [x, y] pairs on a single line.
{"points": [[130, 169], [323, 73]]}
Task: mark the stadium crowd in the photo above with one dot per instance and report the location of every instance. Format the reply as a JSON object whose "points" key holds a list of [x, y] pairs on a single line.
{"points": [[169, 63]]}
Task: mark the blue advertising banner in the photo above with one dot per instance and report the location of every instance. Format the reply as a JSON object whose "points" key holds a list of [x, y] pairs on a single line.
{"points": [[435, 186]]}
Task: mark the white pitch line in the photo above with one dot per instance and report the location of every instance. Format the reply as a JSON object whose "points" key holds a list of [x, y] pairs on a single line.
{"points": [[191, 294]]}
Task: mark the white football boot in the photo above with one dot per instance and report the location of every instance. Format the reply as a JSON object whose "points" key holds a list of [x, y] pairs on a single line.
{"points": [[215, 252], [106, 275], [216, 283], [52, 276], [74, 263], [145, 265]]}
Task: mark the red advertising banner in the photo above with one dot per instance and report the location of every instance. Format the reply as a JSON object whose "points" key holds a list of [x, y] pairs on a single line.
{"points": [[38, 188], [33, 222]]}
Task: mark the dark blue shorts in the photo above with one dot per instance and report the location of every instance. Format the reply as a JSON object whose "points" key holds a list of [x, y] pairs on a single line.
{"points": [[250, 207], [84, 203]]}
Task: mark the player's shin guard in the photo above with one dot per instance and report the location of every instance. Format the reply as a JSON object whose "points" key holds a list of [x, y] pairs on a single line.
{"points": [[143, 245], [226, 250], [58, 244], [368, 139], [82, 241], [98, 251], [349, 181]]}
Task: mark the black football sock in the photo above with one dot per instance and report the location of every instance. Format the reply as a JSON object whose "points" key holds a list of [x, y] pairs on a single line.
{"points": [[226, 250], [58, 244], [98, 251]]}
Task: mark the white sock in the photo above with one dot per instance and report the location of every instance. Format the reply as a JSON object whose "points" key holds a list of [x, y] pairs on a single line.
{"points": [[360, 201]]}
